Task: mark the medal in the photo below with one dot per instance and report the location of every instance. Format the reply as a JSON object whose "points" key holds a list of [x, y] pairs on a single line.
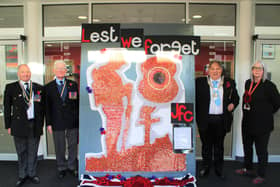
{"points": [[215, 94]]}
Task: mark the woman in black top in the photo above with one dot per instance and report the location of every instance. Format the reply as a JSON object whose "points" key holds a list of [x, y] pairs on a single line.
{"points": [[260, 101]]}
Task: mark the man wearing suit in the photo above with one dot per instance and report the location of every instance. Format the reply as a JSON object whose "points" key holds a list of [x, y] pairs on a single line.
{"points": [[216, 98], [24, 119], [62, 118]]}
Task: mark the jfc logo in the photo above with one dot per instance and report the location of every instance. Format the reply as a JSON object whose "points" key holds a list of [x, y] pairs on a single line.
{"points": [[181, 113]]}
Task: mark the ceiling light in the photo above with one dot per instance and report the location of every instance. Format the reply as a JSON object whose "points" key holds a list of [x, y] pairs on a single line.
{"points": [[197, 16], [82, 17], [96, 20]]}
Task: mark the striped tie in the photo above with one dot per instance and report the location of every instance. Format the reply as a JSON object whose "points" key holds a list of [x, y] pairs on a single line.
{"points": [[27, 90]]}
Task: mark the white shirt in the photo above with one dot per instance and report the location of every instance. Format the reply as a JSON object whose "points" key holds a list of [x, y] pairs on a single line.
{"points": [[216, 93]]}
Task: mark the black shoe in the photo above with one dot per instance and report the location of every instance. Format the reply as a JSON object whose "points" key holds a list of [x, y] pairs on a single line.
{"points": [[35, 180], [73, 172], [20, 182], [204, 172], [220, 174], [61, 174]]}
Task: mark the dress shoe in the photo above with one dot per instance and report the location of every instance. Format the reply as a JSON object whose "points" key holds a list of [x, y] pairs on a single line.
{"points": [[204, 172], [20, 182], [245, 172], [61, 174], [73, 172], [35, 180], [258, 180], [220, 174]]}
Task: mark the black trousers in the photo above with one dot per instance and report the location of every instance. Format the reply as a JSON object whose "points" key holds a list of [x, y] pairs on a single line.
{"points": [[212, 140], [66, 139], [27, 149], [261, 144]]}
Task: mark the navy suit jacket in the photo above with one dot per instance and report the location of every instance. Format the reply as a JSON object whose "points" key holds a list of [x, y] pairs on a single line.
{"points": [[15, 109], [61, 114], [202, 102]]}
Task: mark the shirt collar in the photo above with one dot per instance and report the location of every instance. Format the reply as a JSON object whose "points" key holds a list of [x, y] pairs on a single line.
{"points": [[219, 79], [22, 82], [58, 81]]}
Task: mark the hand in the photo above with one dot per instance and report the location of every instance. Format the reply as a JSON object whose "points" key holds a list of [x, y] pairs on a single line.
{"points": [[230, 107], [50, 129], [9, 131]]}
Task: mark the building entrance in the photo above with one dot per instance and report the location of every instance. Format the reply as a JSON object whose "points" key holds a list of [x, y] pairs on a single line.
{"points": [[10, 57], [268, 51]]}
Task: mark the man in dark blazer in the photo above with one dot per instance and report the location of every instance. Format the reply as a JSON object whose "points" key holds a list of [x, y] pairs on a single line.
{"points": [[216, 98], [62, 118], [24, 119]]}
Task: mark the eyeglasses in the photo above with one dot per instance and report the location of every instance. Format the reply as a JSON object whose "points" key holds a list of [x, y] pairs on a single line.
{"points": [[257, 68], [60, 69]]}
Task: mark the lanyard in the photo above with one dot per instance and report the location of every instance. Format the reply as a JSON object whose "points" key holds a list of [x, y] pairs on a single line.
{"points": [[247, 96], [63, 89], [250, 92], [25, 94]]}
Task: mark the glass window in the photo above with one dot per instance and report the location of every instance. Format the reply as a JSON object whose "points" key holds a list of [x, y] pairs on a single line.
{"points": [[11, 20], [223, 51], [267, 19], [64, 20], [139, 13], [270, 56], [70, 52], [9, 59], [212, 19]]}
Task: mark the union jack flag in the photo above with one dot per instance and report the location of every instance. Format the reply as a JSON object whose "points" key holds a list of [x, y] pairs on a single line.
{"points": [[120, 181]]}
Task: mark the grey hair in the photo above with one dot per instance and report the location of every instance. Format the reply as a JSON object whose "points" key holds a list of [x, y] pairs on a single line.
{"points": [[217, 62], [21, 65], [59, 62], [264, 70]]}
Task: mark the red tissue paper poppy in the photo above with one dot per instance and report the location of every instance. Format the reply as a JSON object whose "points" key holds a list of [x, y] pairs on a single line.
{"points": [[137, 181]]}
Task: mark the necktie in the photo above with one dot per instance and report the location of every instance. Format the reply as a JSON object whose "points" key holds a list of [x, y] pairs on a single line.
{"points": [[27, 90], [216, 93], [60, 86], [215, 84], [62, 92]]}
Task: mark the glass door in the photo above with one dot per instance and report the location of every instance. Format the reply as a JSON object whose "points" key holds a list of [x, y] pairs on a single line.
{"points": [[223, 51], [268, 51], [10, 57]]}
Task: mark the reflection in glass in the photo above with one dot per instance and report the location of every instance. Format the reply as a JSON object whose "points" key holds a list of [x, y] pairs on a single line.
{"points": [[70, 52], [213, 19], [64, 20], [139, 13], [223, 51], [11, 59]]}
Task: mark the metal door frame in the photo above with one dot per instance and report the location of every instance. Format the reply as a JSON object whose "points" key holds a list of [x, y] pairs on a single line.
{"points": [[19, 44], [260, 40]]}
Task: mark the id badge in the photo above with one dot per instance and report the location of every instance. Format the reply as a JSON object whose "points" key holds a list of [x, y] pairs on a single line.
{"points": [[247, 106], [30, 111]]}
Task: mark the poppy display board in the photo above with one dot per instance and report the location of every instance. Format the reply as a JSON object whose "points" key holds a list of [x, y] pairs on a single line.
{"points": [[130, 75]]}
